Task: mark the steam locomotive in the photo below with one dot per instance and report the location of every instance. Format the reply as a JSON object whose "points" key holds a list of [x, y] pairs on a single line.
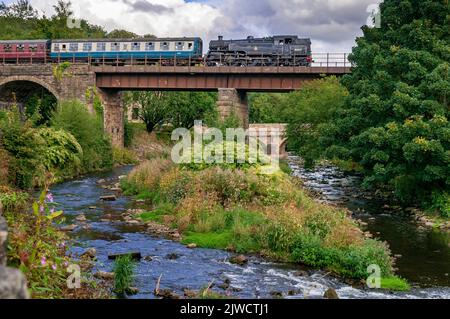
{"points": [[269, 51]]}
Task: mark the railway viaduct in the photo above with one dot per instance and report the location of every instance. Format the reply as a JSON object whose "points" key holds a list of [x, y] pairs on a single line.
{"points": [[80, 81]]}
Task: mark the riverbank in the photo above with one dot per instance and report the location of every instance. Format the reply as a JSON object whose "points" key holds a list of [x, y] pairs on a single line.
{"points": [[246, 212]]}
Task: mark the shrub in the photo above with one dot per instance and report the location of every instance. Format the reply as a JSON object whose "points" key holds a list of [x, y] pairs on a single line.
{"points": [[123, 156], [24, 148], [61, 153], [87, 128]]}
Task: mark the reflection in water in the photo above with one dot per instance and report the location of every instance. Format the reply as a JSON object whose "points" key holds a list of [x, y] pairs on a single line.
{"points": [[194, 268]]}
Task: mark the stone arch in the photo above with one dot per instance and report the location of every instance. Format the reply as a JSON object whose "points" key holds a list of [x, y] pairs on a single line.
{"points": [[32, 79]]}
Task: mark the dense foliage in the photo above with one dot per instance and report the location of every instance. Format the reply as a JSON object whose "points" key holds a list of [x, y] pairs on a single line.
{"points": [[180, 109], [87, 128], [396, 120]]}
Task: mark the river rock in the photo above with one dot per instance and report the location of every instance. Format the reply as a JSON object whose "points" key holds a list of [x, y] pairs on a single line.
{"points": [[239, 260], [90, 253], [133, 222], [104, 275], [81, 218], [331, 294], [276, 294], [301, 273], [108, 198], [148, 258], [132, 291], [172, 256], [192, 246], [13, 284], [101, 181], [92, 207], [167, 294], [190, 294], [69, 228], [134, 255]]}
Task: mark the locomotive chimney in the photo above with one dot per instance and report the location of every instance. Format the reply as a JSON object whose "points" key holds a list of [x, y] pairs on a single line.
{"points": [[220, 37]]}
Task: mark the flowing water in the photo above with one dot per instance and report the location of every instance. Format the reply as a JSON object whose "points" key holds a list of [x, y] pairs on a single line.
{"points": [[196, 268]]}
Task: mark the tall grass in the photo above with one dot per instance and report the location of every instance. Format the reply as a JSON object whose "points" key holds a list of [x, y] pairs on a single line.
{"points": [[123, 274]]}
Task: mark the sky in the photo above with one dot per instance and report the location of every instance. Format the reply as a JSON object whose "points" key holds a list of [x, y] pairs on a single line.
{"points": [[332, 25]]}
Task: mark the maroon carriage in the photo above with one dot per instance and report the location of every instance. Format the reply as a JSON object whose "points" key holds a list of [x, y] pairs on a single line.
{"points": [[23, 51]]}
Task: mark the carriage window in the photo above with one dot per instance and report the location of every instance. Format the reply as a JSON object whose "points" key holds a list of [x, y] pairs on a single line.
{"points": [[64, 47], [136, 46], [87, 46], [150, 46], [20, 48], [179, 46], [165, 46], [190, 45], [115, 47], [32, 48], [281, 42], [101, 46], [8, 48], [73, 47], [125, 47], [288, 41]]}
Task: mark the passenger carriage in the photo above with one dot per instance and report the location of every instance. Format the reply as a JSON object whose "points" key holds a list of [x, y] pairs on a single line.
{"points": [[24, 51], [125, 51]]}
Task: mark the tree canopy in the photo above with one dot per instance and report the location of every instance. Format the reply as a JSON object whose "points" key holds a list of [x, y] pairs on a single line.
{"points": [[395, 122]]}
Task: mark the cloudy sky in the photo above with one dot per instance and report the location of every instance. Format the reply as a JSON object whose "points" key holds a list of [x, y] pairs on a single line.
{"points": [[332, 24]]}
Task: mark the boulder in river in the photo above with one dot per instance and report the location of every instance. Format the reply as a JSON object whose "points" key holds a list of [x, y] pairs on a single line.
{"points": [[172, 256], [191, 246], [69, 228], [331, 294], [81, 218], [136, 255], [108, 198], [90, 253], [240, 260]]}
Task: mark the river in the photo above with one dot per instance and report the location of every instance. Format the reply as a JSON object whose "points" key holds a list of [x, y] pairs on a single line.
{"points": [[194, 269]]}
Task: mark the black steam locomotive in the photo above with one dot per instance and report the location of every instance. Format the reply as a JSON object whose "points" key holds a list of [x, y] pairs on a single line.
{"points": [[269, 51]]}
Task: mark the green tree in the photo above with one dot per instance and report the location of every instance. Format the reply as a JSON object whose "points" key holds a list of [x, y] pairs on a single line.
{"points": [[187, 107], [395, 122], [266, 108], [152, 107], [308, 112]]}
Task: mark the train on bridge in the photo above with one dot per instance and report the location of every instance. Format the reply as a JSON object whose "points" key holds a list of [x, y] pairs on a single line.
{"points": [[269, 51]]}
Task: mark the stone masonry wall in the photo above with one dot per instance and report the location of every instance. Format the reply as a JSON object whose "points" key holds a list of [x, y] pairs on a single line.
{"points": [[233, 102], [76, 81]]}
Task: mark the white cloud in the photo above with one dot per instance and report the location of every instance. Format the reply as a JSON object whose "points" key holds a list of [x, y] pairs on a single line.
{"points": [[332, 25]]}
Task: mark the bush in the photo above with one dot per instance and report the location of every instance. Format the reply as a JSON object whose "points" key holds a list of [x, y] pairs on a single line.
{"points": [[24, 148], [87, 128], [62, 154]]}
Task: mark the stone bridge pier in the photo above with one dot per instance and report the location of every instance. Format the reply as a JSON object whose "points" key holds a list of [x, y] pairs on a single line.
{"points": [[233, 103]]}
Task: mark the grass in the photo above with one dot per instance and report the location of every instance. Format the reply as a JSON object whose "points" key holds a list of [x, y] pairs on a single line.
{"points": [[254, 213], [123, 274], [209, 240], [395, 284]]}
